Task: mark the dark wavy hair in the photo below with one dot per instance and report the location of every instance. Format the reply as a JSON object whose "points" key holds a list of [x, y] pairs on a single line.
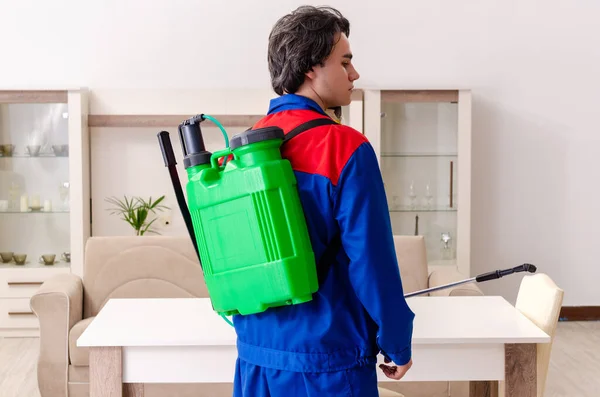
{"points": [[301, 40]]}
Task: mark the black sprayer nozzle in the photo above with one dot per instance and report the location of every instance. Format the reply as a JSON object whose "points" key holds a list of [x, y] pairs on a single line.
{"points": [[170, 163], [527, 267], [192, 138], [192, 143]]}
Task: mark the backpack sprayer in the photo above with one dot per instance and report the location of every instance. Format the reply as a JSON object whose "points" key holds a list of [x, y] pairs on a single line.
{"points": [[246, 221], [244, 218]]}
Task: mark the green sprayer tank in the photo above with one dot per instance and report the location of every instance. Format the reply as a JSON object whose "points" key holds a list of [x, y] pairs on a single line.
{"points": [[245, 219]]}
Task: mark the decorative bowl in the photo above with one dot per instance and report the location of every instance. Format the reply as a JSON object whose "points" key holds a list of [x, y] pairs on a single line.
{"points": [[20, 258], [60, 150], [7, 150], [33, 150], [6, 256]]}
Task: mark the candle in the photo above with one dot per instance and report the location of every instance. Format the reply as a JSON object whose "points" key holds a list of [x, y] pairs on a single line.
{"points": [[35, 201], [24, 203], [47, 205]]}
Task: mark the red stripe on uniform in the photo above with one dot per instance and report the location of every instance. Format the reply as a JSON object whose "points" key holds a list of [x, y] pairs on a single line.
{"points": [[322, 150]]}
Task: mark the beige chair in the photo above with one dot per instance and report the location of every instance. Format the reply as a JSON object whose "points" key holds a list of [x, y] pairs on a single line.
{"points": [[115, 267], [540, 300], [412, 260]]}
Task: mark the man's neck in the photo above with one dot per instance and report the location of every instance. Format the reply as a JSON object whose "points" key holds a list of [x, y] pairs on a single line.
{"points": [[309, 93]]}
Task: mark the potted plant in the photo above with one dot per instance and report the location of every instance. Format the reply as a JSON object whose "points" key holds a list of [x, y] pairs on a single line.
{"points": [[136, 211]]}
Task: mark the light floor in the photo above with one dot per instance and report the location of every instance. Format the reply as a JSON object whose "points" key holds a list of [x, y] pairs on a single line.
{"points": [[574, 367]]}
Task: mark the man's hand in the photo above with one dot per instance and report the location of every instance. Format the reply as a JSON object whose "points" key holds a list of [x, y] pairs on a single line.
{"points": [[394, 371]]}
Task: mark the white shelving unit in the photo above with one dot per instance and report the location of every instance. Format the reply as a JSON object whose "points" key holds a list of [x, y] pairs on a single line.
{"points": [[44, 195], [423, 142]]}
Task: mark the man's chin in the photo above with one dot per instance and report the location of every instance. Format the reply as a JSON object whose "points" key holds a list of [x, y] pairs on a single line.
{"points": [[346, 101], [341, 101]]}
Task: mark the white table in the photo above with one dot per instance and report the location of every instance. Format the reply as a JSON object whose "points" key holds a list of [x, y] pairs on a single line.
{"points": [[135, 341]]}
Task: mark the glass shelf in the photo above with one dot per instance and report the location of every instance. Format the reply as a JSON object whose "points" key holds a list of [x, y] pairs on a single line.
{"points": [[423, 209], [36, 212], [40, 156], [29, 264], [419, 155]]}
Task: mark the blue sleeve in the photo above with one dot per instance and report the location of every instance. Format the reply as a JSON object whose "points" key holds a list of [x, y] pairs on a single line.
{"points": [[362, 213]]}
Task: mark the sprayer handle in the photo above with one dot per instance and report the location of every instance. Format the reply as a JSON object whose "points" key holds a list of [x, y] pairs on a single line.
{"points": [[166, 149], [214, 159], [526, 267]]}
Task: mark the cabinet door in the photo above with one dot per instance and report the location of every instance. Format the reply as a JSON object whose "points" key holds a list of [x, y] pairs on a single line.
{"points": [[422, 139], [44, 182]]}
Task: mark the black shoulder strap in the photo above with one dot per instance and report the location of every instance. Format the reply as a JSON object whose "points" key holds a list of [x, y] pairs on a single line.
{"points": [[334, 246], [307, 126]]}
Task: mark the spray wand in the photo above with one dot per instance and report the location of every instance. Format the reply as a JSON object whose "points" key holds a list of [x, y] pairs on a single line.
{"points": [[526, 267]]}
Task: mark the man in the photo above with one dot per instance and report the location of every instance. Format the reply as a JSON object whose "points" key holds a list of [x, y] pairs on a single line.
{"points": [[328, 346]]}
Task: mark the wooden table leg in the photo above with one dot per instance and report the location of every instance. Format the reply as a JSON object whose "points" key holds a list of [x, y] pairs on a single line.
{"points": [[521, 370], [133, 390], [106, 372], [483, 389]]}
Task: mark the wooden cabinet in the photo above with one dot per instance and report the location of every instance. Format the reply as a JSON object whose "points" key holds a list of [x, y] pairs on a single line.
{"points": [[44, 196]]}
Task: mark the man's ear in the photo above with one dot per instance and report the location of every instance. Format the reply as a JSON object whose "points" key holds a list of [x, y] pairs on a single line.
{"points": [[311, 74]]}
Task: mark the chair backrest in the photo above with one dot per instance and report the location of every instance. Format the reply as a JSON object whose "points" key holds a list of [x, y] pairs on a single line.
{"points": [[139, 267], [540, 300], [412, 261]]}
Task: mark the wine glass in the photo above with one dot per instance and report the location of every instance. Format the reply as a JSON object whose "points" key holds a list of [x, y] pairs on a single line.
{"points": [[412, 195], [63, 191], [428, 196]]}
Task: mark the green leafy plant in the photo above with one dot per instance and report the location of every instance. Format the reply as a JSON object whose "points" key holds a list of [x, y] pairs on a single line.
{"points": [[136, 211]]}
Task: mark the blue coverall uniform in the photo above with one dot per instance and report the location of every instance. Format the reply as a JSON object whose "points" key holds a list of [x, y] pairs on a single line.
{"points": [[328, 346]]}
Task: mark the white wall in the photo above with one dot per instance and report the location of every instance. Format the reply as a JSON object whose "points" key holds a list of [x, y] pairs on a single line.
{"points": [[532, 65]]}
